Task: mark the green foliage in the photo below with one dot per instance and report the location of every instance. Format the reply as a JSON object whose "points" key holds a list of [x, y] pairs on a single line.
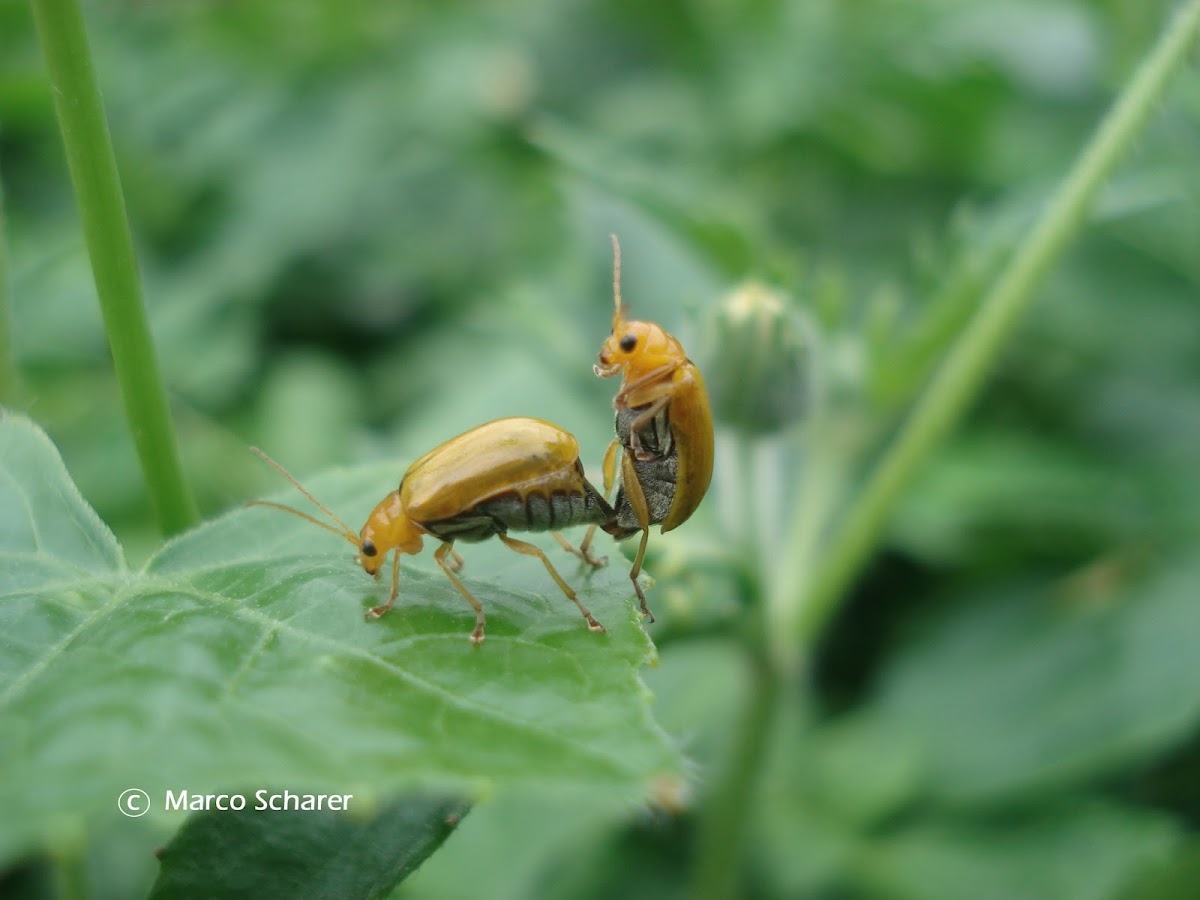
{"points": [[302, 854], [1023, 858], [9, 383], [238, 658], [365, 227], [1066, 685]]}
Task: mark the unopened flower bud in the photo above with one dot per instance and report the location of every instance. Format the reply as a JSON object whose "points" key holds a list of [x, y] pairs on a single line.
{"points": [[760, 365]]}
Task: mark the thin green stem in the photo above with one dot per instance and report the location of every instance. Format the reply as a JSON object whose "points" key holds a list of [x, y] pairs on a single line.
{"points": [[721, 837], [749, 526], [823, 483], [70, 877], [93, 168], [10, 387], [970, 359]]}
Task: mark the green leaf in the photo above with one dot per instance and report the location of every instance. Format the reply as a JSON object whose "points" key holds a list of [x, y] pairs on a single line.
{"points": [[296, 854], [46, 527], [1028, 690], [239, 659], [1173, 877], [1088, 852], [527, 840], [517, 839], [1008, 495]]}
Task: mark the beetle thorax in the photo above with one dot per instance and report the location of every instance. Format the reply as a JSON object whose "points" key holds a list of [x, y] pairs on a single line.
{"points": [[657, 347]]}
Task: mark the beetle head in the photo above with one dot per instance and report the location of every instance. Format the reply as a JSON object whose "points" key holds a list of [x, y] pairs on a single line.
{"points": [[633, 347], [387, 528]]}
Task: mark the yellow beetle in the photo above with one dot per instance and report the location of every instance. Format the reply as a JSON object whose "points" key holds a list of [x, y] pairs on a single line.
{"points": [[664, 429], [517, 473]]}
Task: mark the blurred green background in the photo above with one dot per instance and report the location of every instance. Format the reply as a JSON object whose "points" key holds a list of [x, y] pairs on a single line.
{"points": [[365, 227]]}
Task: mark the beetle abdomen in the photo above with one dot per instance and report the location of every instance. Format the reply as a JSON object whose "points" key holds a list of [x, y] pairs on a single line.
{"points": [[531, 512], [548, 512], [658, 477], [655, 436], [676, 479]]}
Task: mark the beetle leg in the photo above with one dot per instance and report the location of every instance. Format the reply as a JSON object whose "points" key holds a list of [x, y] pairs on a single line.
{"points": [[583, 553], [649, 390], [661, 396], [637, 500], [610, 466], [440, 555], [376, 611], [625, 396], [531, 550], [458, 560], [610, 476]]}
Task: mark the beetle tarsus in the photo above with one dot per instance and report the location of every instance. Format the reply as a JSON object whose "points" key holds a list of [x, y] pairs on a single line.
{"points": [[649, 616], [584, 552], [593, 561], [641, 597], [531, 550]]}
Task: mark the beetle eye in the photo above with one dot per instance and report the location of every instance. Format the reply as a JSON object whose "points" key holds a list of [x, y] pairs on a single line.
{"points": [[368, 548], [628, 343]]}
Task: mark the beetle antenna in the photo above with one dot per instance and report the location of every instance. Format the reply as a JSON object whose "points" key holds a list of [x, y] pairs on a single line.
{"points": [[302, 515], [346, 531], [619, 313]]}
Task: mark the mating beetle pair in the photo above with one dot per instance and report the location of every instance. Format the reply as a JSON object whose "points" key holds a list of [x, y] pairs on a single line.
{"points": [[524, 474]]}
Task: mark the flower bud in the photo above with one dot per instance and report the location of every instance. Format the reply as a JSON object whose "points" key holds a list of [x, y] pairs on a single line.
{"points": [[761, 361]]}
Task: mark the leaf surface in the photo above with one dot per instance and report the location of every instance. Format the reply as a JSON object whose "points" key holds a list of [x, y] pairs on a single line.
{"points": [[239, 659], [1034, 689], [299, 854]]}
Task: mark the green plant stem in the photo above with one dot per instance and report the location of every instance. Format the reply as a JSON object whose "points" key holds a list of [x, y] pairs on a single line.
{"points": [[960, 376], [728, 797], [823, 484], [720, 842], [749, 525], [10, 386], [93, 168], [70, 877]]}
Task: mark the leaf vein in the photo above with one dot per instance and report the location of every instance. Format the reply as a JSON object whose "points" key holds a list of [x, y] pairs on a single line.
{"points": [[449, 698], [253, 654], [58, 649], [20, 492]]}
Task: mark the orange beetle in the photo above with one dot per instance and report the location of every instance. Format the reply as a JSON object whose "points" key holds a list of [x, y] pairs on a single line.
{"points": [[664, 428], [516, 473]]}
